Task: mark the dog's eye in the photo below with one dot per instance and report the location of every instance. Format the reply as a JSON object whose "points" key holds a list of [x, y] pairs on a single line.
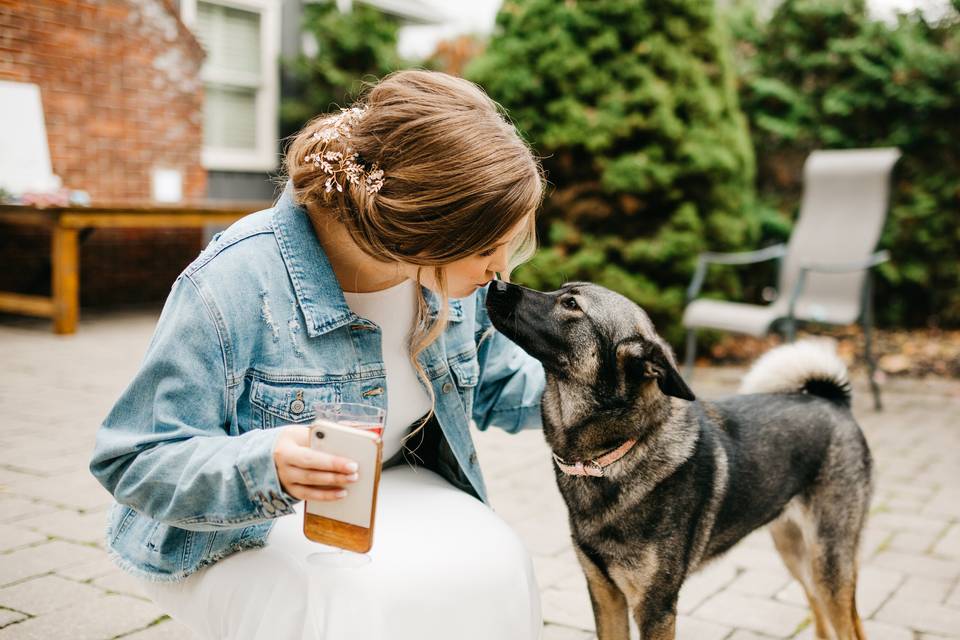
{"points": [[570, 303]]}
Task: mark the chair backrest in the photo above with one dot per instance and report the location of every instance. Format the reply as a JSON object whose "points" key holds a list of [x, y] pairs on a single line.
{"points": [[844, 206]]}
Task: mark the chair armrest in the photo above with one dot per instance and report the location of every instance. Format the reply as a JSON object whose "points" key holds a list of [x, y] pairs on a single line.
{"points": [[832, 267], [746, 257], [844, 267]]}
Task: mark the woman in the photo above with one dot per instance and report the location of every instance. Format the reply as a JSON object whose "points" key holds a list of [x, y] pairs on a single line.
{"points": [[364, 283]]}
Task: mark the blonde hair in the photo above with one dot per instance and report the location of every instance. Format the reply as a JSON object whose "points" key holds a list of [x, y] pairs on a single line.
{"points": [[456, 179]]}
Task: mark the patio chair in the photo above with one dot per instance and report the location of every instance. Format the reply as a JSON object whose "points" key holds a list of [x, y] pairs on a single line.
{"points": [[824, 270]]}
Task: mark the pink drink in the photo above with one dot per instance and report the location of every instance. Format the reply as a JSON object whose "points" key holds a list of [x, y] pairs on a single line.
{"points": [[375, 428]]}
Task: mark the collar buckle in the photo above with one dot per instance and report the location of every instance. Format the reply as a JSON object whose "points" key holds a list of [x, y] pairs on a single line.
{"points": [[593, 468]]}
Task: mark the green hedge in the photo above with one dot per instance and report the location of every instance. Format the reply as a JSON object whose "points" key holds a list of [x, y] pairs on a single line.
{"points": [[822, 74], [633, 106]]}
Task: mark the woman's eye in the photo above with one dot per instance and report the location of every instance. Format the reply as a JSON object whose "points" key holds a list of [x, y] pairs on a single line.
{"points": [[489, 252], [570, 303]]}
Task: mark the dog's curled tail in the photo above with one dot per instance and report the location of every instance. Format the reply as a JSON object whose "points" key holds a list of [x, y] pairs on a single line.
{"points": [[801, 367]]}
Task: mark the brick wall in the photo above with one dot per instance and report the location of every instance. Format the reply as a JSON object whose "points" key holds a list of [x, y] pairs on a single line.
{"points": [[121, 91]]}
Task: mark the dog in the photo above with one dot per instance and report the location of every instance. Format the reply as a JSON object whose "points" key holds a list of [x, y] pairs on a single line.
{"points": [[658, 483]]}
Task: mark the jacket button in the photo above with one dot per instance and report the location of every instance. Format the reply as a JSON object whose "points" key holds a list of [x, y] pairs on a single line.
{"points": [[447, 387], [473, 458], [297, 407]]}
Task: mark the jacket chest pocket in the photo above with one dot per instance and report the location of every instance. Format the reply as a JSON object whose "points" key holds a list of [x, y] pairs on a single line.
{"points": [[466, 373], [275, 403]]}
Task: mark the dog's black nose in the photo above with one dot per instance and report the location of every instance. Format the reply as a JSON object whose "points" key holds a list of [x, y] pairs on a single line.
{"points": [[502, 294], [498, 285]]}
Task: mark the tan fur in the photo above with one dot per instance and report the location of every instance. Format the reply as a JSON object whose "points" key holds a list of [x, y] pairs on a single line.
{"points": [[609, 603], [840, 608], [832, 602], [634, 581], [788, 540]]}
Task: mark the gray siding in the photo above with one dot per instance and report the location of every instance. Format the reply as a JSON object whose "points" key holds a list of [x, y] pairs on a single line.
{"points": [[241, 185]]}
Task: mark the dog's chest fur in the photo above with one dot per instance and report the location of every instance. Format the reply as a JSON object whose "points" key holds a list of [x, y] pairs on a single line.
{"points": [[666, 489]]}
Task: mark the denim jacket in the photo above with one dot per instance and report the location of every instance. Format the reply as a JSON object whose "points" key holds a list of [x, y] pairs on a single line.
{"points": [[254, 332]]}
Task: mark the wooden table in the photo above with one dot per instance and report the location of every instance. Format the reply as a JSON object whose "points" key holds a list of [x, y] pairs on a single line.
{"points": [[66, 225]]}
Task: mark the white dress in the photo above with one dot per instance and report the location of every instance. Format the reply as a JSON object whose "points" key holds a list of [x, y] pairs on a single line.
{"points": [[443, 564]]}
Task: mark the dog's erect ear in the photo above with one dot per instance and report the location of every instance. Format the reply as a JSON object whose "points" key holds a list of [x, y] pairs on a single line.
{"points": [[668, 378], [647, 360]]}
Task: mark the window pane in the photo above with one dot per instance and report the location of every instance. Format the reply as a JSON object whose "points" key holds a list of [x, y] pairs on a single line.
{"points": [[231, 37], [230, 118]]}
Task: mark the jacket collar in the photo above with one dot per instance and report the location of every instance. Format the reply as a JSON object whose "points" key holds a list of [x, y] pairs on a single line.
{"points": [[314, 282]]}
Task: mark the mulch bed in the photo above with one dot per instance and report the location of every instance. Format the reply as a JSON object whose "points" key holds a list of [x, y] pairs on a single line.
{"points": [[898, 352]]}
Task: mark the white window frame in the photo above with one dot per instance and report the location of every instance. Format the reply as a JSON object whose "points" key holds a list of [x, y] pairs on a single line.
{"points": [[264, 157]]}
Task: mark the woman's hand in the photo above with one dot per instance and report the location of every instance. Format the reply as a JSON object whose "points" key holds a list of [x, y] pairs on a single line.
{"points": [[307, 474]]}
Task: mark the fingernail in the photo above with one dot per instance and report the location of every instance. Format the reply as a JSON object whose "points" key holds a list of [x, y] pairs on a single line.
{"points": [[354, 477], [352, 466], [342, 493]]}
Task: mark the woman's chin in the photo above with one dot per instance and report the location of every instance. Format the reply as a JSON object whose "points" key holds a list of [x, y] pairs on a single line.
{"points": [[464, 291]]}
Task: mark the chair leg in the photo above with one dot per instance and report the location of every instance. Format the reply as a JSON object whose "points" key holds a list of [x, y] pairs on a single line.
{"points": [[867, 342], [691, 354], [871, 368], [790, 329]]}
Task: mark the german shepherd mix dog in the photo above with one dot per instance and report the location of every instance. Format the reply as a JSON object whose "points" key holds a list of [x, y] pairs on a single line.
{"points": [[658, 483]]}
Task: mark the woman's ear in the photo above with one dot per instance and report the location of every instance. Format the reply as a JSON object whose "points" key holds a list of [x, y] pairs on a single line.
{"points": [[644, 359]]}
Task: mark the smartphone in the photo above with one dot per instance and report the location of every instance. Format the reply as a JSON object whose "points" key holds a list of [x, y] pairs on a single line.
{"points": [[346, 523]]}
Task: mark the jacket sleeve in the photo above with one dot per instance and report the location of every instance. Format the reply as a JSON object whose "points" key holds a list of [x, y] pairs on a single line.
{"points": [[511, 381], [167, 448]]}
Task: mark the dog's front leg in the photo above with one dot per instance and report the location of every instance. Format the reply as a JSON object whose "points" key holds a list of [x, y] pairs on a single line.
{"points": [[656, 615], [610, 612]]}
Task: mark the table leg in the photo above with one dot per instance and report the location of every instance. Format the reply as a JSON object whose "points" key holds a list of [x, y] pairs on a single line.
{"points": [[66, 280]]}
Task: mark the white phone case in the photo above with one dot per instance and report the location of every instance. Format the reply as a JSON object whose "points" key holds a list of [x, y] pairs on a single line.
{"points": [[361, 447]]}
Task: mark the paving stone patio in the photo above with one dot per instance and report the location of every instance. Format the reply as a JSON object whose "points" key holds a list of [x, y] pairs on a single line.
{"points": [[56, 581]]}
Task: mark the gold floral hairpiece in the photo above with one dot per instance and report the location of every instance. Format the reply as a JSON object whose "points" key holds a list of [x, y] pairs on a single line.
{"points": [[345, 166]]}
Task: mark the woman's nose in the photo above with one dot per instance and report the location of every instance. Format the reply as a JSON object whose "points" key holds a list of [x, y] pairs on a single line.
{"points": [[498, 263]]}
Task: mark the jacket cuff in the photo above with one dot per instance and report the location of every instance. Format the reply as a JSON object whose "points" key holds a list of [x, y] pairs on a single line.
{"points": [[517, 419], [259, 473]]}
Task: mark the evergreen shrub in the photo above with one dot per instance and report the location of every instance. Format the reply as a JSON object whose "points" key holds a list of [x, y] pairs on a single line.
{"points": [[633, 107]]}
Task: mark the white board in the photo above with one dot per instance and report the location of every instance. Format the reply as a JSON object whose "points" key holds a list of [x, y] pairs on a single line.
{"points": [[24, 153]]}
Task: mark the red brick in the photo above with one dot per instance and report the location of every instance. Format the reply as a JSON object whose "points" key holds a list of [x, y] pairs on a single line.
{"points": [[96, 77], [109, 121]]}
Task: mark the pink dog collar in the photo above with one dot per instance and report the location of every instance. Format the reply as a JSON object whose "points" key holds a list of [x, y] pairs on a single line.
{"points": [[595, 467]]}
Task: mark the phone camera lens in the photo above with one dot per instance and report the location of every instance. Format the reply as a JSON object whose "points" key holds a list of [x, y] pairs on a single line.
{"points": [[320, 435]]}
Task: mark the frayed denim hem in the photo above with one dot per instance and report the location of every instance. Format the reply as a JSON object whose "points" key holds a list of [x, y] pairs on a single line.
{"points": [[129, 567], [137, 572]]}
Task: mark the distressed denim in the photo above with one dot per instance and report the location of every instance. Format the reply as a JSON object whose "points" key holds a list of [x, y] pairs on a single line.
{"points": [[254, 332]]}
